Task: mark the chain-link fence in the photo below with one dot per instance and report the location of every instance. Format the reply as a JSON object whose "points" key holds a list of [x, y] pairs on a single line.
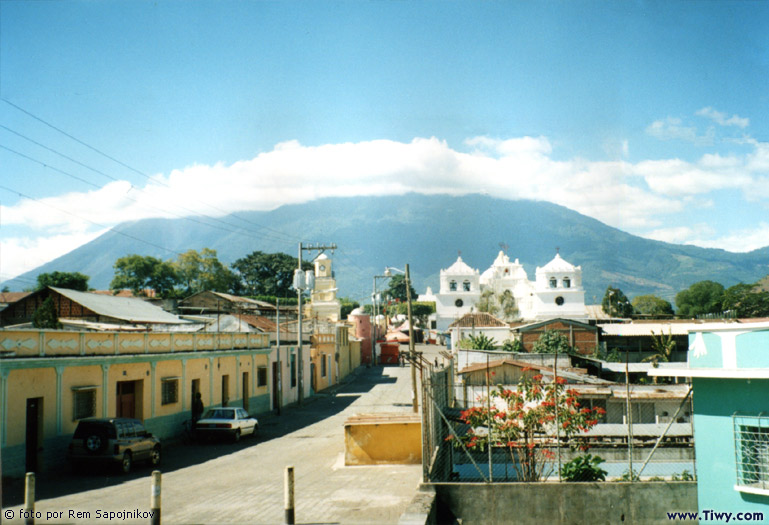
{"points": [[655, 443]]}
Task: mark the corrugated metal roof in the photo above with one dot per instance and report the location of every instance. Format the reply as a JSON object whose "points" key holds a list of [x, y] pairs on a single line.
{"points": [[648, 329], [125, 308]]}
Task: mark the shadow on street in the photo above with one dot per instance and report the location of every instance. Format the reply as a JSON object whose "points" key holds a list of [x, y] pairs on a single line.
{"points": [[177, 455]]}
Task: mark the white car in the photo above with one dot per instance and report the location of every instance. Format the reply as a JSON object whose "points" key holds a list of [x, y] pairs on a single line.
{"points": [[226, 421]]}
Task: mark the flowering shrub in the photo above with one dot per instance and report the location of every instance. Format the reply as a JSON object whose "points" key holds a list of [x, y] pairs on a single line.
{"points": [[526, 422]]}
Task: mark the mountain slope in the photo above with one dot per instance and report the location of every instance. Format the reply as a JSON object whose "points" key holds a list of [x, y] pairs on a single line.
{"points": [[427, 232]]}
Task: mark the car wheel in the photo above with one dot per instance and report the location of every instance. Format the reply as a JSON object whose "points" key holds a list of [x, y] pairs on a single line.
{"points": [[95, 443], [126, 463], [236, 436], [155, 456]]}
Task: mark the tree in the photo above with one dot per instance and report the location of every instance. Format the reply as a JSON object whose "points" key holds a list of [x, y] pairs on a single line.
{"points": [[268, 273], [396, 289], [746, 300], [703, 297], [46, 316], [200, 271], [513, 345], [551, 342], [68, 280], [141, 272], [616, 303], [498, 304], [478, 342], [347, 305], [663, 347], [526, 421], [652, 305], [419, 310]]}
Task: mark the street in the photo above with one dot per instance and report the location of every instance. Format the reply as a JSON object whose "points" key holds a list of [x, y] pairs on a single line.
{"points": [[243, 482]]}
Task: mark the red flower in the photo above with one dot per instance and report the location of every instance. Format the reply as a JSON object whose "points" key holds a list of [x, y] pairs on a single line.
{"points": [[560, 380], [537, 377], [600, 411], [449, 437]]}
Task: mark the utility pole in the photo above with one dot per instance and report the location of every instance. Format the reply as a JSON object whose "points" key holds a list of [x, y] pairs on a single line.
{"points": [[279, 379], [301, 285], [412, 353]]}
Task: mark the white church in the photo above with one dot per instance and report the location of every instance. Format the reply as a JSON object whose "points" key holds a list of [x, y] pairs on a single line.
{"points": [[556, 292]]}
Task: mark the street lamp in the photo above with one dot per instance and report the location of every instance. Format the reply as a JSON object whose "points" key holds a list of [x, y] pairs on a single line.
{"points": [[412, 353]]}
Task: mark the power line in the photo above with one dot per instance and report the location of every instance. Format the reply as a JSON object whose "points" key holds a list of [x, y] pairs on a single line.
{"points": [[161, 210], [139, 172]]}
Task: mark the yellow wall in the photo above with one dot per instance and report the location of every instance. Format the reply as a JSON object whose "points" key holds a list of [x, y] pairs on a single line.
{"points": [[78, 376], [23, 385], [168, 369], [383, 439]]}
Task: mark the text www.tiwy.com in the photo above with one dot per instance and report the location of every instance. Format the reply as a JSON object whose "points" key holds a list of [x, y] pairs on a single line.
{"points": [[712, 515]]}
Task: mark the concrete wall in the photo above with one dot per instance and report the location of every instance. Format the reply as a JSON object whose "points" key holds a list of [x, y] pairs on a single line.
{"points": [[383, 439], [566, 503]]}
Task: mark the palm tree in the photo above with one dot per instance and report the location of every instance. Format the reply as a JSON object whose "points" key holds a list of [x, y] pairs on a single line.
{"points": [[663, 347]]}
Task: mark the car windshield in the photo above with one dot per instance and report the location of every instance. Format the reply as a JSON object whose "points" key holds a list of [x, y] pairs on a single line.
{"points": [[86, 428], [219, 414]]}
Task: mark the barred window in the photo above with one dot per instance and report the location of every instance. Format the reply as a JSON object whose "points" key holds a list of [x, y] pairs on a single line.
{"points": [[751, 447], [169, 390], [84, 402], [261, 376]]}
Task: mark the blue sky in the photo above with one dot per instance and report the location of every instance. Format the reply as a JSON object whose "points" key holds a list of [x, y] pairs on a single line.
{"points": [[648, 116]]}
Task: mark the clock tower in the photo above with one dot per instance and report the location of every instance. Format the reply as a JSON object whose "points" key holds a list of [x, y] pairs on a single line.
{"points": [[324, 305]]}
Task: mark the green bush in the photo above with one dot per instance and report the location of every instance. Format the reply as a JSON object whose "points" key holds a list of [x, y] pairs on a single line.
{"points": [[584, 468], [513, 345]]}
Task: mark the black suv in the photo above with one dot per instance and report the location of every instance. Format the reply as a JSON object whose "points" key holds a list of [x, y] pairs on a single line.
{"points": [[119, 441]]}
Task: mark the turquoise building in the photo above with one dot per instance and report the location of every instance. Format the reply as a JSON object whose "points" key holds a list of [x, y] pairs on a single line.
{"points": [[728, 364]]}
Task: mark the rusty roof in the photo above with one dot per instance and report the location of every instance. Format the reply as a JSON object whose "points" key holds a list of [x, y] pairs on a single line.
{"points": [[478, 320]]}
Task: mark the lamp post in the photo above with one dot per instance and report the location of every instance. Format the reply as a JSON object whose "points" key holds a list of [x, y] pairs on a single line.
{"points": [[374, 297], [412, 352]]}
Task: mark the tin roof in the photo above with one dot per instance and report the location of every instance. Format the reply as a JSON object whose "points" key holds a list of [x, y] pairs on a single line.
{"points": [[125, 308]]}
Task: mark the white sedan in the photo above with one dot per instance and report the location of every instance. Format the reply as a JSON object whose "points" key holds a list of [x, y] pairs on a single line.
{"points": [[225, 421]]}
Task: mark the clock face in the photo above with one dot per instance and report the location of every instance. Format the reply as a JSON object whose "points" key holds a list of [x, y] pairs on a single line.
{"points": [[322, 267], [559, 300]]}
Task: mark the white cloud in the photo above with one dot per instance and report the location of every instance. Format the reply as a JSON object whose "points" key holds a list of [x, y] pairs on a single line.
{"points": [[672, 128], [743, 240], [722, 119], [22, 254], [637, 197]]}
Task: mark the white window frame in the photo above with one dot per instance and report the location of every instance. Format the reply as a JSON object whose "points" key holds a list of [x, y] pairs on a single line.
{"points": [[751, 453]]}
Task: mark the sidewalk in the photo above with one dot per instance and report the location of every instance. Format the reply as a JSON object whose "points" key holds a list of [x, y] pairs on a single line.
{"points": [[246, 486]]}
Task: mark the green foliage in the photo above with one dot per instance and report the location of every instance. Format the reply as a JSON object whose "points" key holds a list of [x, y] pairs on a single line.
{"points": [[481, 342], [68, 280], [268, 273], [746, 300], [522, 419], [663, 347], [498, 304], [46, 316], [584, 468], [419, 310], [628, 476], [684, 476], [347, 305], [396, 289], [704, 297], [616, 303], [513, 345], [652, 305], [141, 272], [201, 271], [284, 301], [551, 342]]}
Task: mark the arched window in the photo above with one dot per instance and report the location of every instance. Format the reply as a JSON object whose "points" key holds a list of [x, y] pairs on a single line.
{"points": [[466, 286], [553, 282], [566, 282], [453, 286]]}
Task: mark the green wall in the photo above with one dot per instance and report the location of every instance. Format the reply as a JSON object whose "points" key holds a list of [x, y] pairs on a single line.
{"points": [[715, 401]]}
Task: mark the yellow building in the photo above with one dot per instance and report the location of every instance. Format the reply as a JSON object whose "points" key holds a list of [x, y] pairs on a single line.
{"points": [[50, 379], [334, 357], [324, 305]]}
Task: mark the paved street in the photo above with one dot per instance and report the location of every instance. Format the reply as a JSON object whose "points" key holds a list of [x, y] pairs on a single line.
{"points": [[243, 482]]}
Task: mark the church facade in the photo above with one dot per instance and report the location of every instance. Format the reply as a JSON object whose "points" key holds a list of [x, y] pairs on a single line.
{"points": [[556, 292]]}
